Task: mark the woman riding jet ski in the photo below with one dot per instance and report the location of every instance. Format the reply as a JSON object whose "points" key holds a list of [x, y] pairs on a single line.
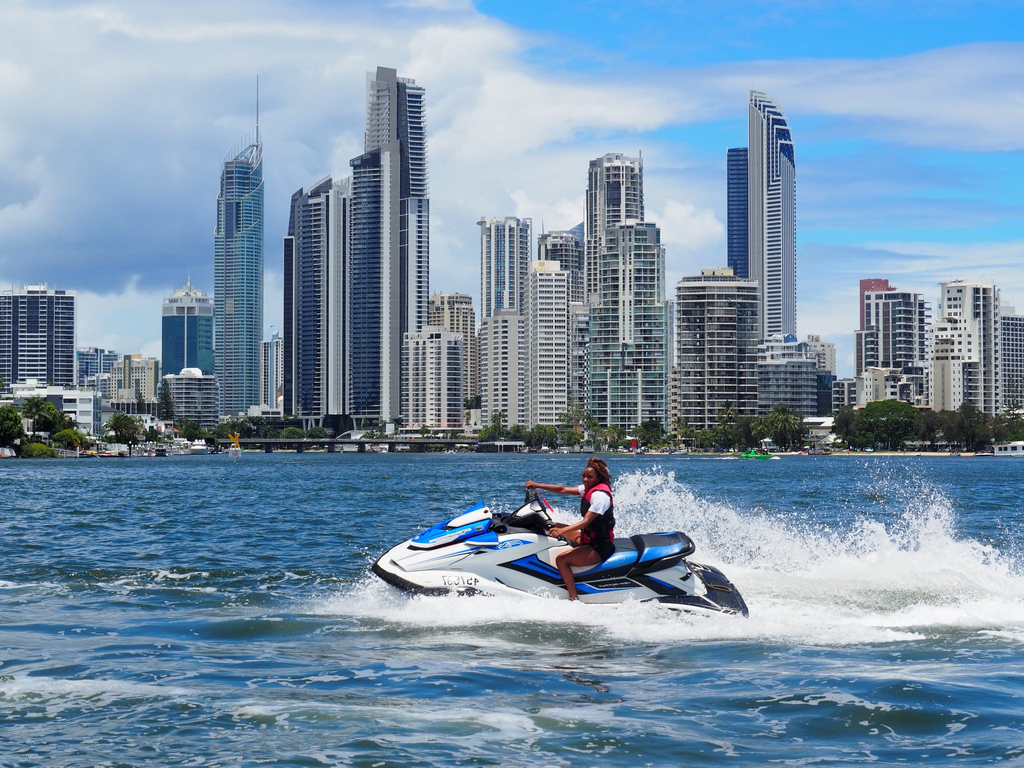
{"points": [[485, 552]]}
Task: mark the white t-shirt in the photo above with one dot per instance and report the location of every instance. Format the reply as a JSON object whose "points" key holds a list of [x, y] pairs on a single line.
{"points": [[599, 500]]}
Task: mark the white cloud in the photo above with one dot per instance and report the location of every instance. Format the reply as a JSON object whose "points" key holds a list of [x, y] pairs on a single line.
{"points": [[123, 145]]}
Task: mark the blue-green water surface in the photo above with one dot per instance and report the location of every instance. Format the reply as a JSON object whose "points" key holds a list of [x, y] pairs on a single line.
{"points": [[198, 611]]}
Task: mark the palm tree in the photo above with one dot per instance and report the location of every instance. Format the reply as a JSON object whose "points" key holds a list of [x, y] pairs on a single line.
{"points": [[33, 408], [726, 414], [124, 428]]}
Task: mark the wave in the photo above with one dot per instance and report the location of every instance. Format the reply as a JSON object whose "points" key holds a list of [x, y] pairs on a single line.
{"points": [[895, 573]]}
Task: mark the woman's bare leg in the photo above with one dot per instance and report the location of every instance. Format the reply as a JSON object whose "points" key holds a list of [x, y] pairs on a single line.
{"points": [[584, 555]]}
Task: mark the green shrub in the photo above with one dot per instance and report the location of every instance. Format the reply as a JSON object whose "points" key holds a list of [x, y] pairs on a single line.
{"points": [[39, 451]]}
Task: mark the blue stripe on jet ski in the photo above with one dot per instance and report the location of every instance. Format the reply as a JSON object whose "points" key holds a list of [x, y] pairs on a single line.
{"points": [[663, 583]]}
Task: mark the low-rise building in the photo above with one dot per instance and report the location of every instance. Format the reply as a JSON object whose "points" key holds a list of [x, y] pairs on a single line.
{"points": [[81, 404]]}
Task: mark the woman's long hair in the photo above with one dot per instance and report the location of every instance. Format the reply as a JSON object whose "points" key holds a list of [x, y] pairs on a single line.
{"points": [[604, 475]]}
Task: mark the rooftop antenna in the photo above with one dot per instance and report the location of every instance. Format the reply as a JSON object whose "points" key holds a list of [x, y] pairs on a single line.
{"points": [[257, 107]]}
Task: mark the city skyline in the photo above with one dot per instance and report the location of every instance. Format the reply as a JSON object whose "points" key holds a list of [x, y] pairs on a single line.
{"points": [[905, 122]]}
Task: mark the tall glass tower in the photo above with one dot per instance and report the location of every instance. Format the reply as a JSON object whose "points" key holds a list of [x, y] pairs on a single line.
{"points": [[390, 242], [771, 214], [187, 331], [736, 171], [238, 275]]}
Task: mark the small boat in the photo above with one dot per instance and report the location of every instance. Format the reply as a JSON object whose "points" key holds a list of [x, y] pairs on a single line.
{"points": [[753, 454], [199, 447]]}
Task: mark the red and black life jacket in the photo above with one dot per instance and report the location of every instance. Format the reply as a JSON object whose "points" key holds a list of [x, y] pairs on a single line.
{"points": [[603, 527]]}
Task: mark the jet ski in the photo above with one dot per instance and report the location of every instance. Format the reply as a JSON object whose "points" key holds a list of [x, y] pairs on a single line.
{"points": [[486, 552]]}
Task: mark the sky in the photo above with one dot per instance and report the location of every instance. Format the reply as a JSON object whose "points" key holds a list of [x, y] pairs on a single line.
{"points": [[115, 117]]}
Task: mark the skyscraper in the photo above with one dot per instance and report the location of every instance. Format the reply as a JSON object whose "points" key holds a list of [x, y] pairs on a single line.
{"points": [[615, 195], [37, 336], [629, 329], [390, 281], [238, 275], [736, 211], [504, 264], [716, 346], [187, 331], [771, 214], [316, 372]]}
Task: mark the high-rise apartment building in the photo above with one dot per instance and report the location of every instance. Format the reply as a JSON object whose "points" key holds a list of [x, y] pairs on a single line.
{"points": [[37, 336], [895, 337], [390, 242], [771, 214], [579, 356], [567, 249], [238, 275], [736, 211], [454, 311], [187, 331], [271, 371], [629, 327], [786, 375], [547, 342], [717, 335], [436, 393], [195, 396], [870, 284], [615, 196], [1011, 359], [316, 372], [503, 385], [965, 360], [93, 361], [504, 263]]}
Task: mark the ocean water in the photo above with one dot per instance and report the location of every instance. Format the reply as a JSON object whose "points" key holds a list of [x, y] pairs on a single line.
{"points": [[201, 612]]}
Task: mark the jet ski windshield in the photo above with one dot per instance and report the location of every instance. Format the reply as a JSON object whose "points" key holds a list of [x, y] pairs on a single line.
{"points": [[533, 516]]}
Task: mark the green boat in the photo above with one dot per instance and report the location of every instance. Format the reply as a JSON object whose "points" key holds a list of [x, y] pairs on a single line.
{"points": [[752, 454]]}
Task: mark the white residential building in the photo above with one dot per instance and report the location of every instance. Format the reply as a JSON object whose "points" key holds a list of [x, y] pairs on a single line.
{"points": [[503, 367], [454, 311], [271, 372], [824, 353], [548, 294], [83, 405], [195, 396], [965, 367], [436, 391]]}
